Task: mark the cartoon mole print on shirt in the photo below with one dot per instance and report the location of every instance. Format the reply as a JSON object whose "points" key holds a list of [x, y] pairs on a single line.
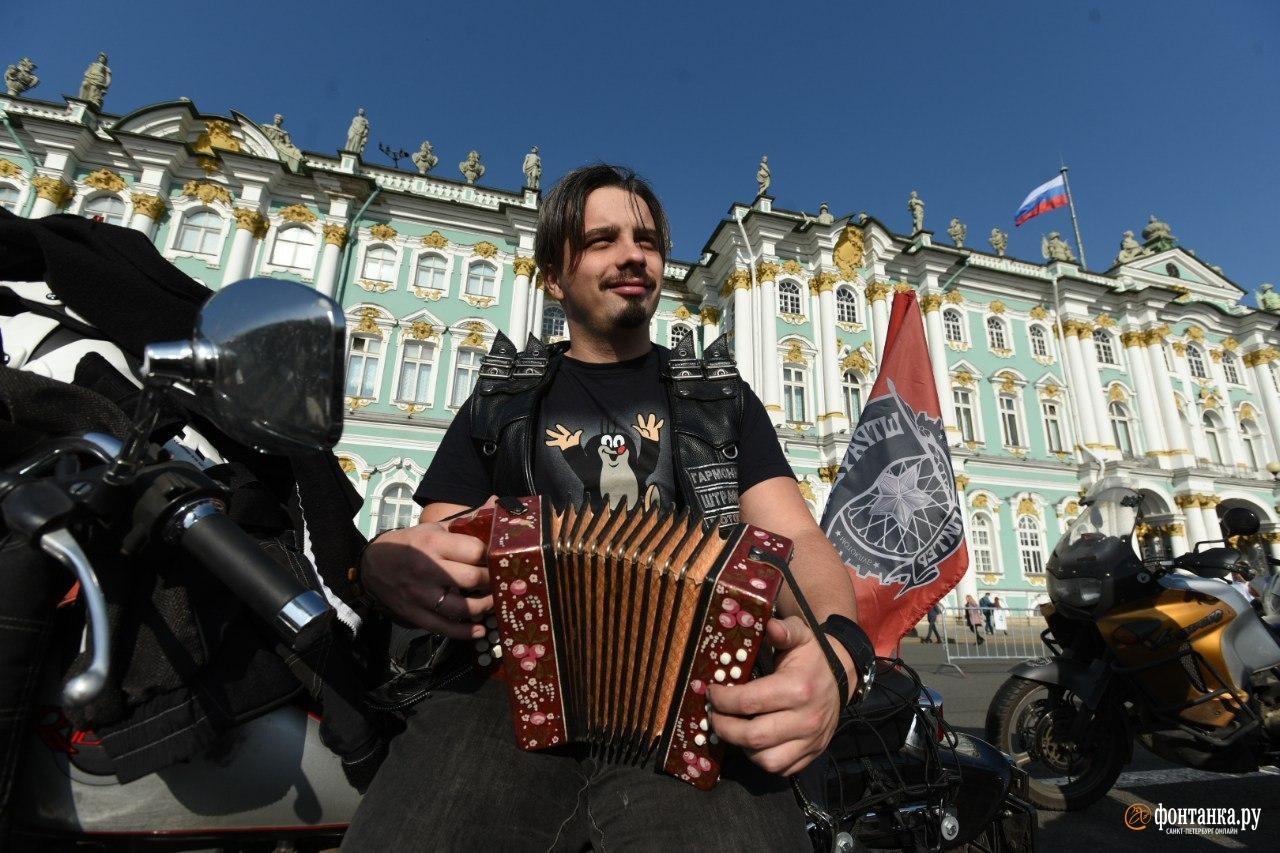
{"points": [[616, 465]]}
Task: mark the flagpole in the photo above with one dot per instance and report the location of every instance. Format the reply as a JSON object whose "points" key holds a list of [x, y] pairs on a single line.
{"points": [[1075, 223]]}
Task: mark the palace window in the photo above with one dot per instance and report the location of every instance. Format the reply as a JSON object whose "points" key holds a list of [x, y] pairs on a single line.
{"points": [[1214, 436], [1103, 347], [201, 233], [106, 208], [1231, 367], [980, 548], [398, 508], [1030, 546], [794, 380], [1195, 362], [416, 365], [1039, 342], [379, 264], [9, 198], [997, 337], [466, 368], [294, 248], [789, 301], [852, 385], [846, 305], [1253, 446], [553, 323], [1010, 423], [1121, 427], [362, 365], [430, 272], [965, 418], [676, 332], [1052, 415], [953, 326], [482, 279]]}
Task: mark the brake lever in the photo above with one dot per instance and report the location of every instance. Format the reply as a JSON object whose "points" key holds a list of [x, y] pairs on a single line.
{"points": [[85, 687]]}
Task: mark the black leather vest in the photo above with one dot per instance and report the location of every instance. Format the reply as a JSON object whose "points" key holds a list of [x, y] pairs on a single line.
{"points": [[704, 398]]}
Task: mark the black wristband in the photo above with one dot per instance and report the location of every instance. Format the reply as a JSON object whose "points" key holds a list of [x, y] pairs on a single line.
{"points": [[861, 651]]}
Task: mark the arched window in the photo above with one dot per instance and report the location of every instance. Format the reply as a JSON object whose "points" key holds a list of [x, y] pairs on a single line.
{"points": [[1121, 427], [1051, 413], [789, 301], [105, 208], [794, 379], [200, 232], [553, 323], [429, 273], [417, 364], [466, 368], [398, 509], [997, 339], [966, 419], [1195, 362], [379, 264], [1253, 445], [852, 385], [363, 359], [1039, 342], [1102, 346], [953, 326], [1010, 422], [678, 331], [846, 304], [1231, 367], [1030, 546], [981, 549], [9, 198], [295, 248], [1213, 436], [482, 279]]}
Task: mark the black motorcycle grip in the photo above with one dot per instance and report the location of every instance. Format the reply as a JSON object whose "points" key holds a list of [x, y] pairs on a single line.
{"points": [[300, 616]]}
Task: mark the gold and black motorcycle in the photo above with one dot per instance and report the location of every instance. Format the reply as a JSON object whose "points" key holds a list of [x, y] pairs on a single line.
{"points": [[1163, 651]]}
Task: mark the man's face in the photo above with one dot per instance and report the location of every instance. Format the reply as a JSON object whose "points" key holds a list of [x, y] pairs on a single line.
{"points": [[615, 283]]}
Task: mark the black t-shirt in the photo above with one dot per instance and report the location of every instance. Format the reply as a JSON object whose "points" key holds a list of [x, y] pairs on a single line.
{"points": [[603, 430]]}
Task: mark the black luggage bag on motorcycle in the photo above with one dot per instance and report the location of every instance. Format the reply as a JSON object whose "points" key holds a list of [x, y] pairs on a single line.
{"points": [[188, 660]]}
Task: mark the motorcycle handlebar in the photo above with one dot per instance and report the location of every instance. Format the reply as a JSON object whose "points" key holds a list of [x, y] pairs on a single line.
{"points": [[300, 616]]}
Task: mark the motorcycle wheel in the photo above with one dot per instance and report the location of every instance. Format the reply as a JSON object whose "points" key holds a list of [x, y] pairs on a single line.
{"points": [[1027, 720]]}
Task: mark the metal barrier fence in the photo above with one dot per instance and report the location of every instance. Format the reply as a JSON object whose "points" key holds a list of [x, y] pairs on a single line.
{"points": [[1012, 634]]}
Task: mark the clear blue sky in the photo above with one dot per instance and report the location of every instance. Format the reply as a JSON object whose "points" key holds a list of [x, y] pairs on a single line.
{"points": [[1170, 108]]}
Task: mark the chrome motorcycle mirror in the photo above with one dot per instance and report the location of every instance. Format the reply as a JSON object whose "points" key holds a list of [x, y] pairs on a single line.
{"points": [[1240, 521], [266, 359]]}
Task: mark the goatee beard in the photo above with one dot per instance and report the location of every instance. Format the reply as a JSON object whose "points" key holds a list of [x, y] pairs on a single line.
{"points": [[634, 315]]}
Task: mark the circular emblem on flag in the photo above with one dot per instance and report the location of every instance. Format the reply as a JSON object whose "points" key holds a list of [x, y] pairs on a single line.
{"points": [[893, 514]]}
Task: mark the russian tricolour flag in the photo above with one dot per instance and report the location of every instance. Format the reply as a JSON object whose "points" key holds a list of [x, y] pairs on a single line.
{"points": [[1050, 195]]}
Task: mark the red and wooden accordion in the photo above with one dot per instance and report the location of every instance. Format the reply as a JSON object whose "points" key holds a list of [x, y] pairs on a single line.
{"points": [[612, 622]]}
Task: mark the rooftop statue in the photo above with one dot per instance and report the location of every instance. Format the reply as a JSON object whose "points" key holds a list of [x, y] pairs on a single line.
{"points": [[1268, 299], [1130, 249], [999, 241], [1157, 235], [824, 215], [958, 232], [471, 168], [19, 77], [425, 158], [357, 133], [1054, 248], [280, 140], [915, 205], [97, 79], [764, 176], [532, 169]]}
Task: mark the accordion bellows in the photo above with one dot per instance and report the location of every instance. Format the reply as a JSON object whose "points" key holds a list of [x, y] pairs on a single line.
{"points": [[612, 623]]}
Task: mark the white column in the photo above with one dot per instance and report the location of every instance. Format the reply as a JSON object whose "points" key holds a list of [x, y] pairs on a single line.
{"points": [[1209, 511], [1178, 539], [147, 210], [535, 317], [1093, 382], [968, 584], [250, 227], [936, 338], [826, 398], [1079, 384], [335, 237], [710, 324], [771, 391], [1195, 521], [878, 295], [1148, 408], [1260, 362], [743, 327], [52, 194], [1199, 441], [829, 353], [1171, 420], [518, 325], [1236, 453]]}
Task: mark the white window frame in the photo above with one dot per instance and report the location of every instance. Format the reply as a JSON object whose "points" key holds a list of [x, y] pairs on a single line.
{"points": [[1126, 418], [381, 356], [1031, 557], [1214, 438], [454, 369], [981, 524], [404, 503], [851, 303], [1193, 350], [561, 320], [420, 258], [1255, 448], [1055, 420], [497, 279], [1038, 334], [16, 200], [996, 326], [799, 297], [394, 263], [790, 386], [975, 424], [219, 237], [402, 358], [1104, 348], [851, 384], [671, 334], [278, 237], [1018, 424], [959, 326], [106, 197], [1231, 368]]}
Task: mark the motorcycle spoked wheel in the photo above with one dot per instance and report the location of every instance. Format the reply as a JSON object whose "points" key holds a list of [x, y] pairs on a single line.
{"points": [[1030, 721]]}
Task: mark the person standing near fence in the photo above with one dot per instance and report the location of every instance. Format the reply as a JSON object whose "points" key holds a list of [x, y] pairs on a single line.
{"points": [[973, 617], [999, 616], [985, 604], [934, 612]]}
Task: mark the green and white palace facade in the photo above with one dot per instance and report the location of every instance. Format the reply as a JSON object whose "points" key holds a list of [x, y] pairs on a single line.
{"points": [[1050, 376]]}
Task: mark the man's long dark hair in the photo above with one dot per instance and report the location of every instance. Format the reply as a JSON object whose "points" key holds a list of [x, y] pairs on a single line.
{"points": [[560, 218]]}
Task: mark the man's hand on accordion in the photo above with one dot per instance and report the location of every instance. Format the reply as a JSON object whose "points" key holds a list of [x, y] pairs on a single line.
{"points": [[430, 577], [785, 719]]}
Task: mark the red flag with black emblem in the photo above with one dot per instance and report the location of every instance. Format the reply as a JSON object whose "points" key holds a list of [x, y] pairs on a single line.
{"points": [[893, 514]]}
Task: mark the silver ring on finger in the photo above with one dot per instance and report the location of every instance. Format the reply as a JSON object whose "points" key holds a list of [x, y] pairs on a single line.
{"points": [[439, 601]]}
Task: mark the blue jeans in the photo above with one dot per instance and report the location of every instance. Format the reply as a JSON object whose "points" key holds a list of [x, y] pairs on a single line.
{"points": [[455, 780]]}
